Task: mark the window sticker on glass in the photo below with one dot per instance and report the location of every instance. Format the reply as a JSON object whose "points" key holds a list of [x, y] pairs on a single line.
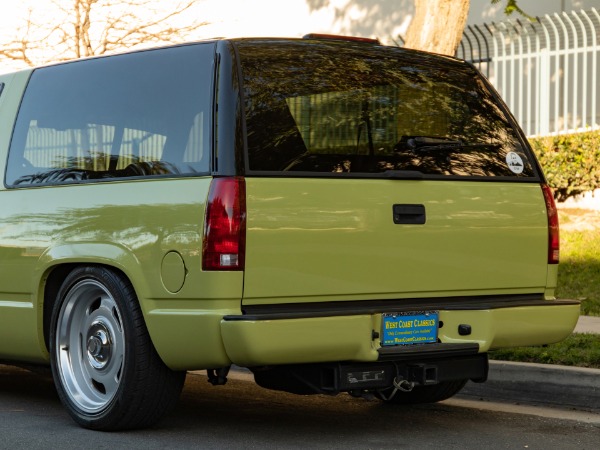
{"points": [[514, 162]]}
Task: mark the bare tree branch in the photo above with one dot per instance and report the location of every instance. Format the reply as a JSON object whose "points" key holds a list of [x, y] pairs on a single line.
{"points": [[96, 27]]}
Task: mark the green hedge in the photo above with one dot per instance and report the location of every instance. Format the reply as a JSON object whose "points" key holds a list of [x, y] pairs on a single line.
{"points": [[571, 162]]}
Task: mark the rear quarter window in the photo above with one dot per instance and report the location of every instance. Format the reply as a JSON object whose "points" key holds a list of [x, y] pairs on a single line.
{"points": [[141, 114], [317, 108]]}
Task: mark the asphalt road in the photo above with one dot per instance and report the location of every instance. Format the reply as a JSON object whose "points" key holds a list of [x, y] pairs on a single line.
{"points": [[241, 415]]}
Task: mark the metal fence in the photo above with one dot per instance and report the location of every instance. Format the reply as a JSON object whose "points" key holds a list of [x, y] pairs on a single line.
{"points": [[546, 71]]}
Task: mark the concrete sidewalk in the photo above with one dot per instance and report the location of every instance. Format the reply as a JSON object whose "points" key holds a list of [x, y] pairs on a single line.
{"points": [[588, 324], [542, 384]]}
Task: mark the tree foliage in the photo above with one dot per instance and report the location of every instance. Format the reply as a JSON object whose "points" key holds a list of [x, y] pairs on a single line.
{"points": [[511, 6], [96, 27], [571, 162]]}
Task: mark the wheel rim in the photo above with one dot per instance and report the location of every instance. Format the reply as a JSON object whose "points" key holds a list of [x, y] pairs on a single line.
{"points": [[90, 346]]}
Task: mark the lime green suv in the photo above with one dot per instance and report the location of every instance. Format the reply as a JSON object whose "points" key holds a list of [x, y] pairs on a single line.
{"points": [[333, 214]]}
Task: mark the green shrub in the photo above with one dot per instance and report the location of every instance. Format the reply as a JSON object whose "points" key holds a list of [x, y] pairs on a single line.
{"points": [[581, 350], [579, 269], [571, 162]]}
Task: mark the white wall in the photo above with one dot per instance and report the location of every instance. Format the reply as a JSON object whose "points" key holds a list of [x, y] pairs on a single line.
{"points": [[483, 11], [369, 18], [385, 19]]}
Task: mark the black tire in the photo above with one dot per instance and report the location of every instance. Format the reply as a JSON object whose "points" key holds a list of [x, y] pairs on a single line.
{"points": [[105, 368], [424, 394]]}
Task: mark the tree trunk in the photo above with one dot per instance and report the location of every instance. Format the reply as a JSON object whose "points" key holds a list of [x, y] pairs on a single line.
{"points": [[437, 26]]}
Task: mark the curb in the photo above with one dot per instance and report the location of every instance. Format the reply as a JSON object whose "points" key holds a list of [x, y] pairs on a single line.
{"points": [[538, 384]]}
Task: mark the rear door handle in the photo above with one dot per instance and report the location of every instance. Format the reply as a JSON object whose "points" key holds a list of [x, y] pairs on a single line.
{"points": [[409, 214]]}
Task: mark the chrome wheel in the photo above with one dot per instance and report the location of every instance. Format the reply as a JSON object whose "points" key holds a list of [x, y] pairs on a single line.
{"points": [[106, 371], [90, 345]]}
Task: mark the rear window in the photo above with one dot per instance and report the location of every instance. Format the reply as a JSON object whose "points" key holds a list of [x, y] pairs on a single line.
{"points": [[141, 114], [342, 108]]}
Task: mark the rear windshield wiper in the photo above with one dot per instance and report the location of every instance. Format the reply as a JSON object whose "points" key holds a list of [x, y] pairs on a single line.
{"points": [[426, 143]]}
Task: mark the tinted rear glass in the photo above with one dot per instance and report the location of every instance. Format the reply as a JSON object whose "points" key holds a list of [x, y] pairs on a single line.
{"points": [[318, 107], [140, 114]]}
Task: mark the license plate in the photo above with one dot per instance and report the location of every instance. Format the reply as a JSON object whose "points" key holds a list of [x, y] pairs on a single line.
{"points": [[419, 327]]}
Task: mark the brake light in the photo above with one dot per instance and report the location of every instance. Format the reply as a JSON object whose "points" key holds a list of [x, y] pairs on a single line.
{"points": [[224, 243], [553, 235]]}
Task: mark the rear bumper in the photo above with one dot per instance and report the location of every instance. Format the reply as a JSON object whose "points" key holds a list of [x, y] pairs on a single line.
{"points": [[299, 338]]}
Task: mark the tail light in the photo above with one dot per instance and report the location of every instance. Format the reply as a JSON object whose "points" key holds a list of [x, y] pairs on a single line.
{"points": [[553, 235], [224, 244]]}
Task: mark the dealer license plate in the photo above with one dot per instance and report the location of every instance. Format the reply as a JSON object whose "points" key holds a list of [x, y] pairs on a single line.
{"points": [[415, 327]]}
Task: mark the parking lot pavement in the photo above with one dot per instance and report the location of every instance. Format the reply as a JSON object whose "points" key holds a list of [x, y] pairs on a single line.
{"points": [[539, 384]]}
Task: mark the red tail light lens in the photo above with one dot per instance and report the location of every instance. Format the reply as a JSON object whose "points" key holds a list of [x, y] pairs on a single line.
{"points": [[553, 235], [224, 245]]}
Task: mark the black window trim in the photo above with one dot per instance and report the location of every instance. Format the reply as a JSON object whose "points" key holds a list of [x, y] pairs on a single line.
{"points": [[383, 176]]}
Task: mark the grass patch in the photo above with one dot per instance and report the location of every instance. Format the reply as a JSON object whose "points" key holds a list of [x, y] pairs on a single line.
{"points": [[582, 350], [579, 270], [578, 278]]}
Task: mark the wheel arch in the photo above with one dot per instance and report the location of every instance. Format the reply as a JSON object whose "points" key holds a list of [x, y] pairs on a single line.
{"points": [[57, 263]]}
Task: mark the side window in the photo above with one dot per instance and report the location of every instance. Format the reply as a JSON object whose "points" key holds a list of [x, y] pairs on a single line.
{"points": [[1, 88], [141, 114]]}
